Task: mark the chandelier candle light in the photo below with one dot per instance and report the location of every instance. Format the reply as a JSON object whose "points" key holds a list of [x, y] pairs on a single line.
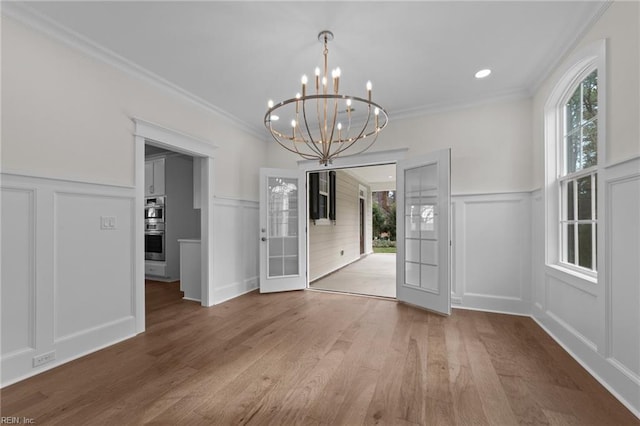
{"points": [[313, 126]]}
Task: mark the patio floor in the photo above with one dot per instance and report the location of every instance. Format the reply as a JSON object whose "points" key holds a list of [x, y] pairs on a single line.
{"points": [[373, 275]]}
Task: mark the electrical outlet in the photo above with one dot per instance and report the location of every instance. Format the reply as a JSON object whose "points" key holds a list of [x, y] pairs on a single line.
{"points": [[107, 222], [44, 358]]}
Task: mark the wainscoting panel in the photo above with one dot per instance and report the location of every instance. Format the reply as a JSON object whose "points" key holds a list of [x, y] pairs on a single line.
{"points": [[18, 273], [93, 266], [67, 284], [492, 249], [599, 323], [623, 296], [573, 309], [236, 239]]}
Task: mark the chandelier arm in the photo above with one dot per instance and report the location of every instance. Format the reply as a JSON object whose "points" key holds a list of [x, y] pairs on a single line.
{"points": [[364, 128], [300, 153], [333, 125], [311, 144], [373, 133], [318, 109]]}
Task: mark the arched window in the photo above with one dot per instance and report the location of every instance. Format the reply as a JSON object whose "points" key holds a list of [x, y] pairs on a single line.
{"points": [[574, 132]]}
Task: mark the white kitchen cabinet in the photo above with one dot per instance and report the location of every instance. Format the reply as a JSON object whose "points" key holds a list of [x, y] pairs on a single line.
{"points": [[155, 269], [154, 177], [190, 271]]}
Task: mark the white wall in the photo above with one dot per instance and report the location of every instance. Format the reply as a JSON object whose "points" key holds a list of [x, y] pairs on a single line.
{"points": [[68, 158], [599, 323], [75, 112], [236, 248], [332, 246], [490, 145]]}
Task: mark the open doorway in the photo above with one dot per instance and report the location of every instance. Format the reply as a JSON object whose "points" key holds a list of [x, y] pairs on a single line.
{"points": [[172, 222], [150, 133], [351, 229]]}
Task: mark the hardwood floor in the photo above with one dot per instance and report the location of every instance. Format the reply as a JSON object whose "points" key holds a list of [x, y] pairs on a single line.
{"points": [[314, 358]]}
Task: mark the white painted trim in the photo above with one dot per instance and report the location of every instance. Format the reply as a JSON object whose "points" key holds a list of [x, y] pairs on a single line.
{"points": [[33, 276], [9, 172], [184, 143], [21, 12], [556, 59], [625, 162], [599, 365], [462, 104], [180, 142], [372, 158], [592, 56], [235, 202]]}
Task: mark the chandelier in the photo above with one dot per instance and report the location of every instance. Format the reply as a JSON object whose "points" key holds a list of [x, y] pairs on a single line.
{"points": [[320, 124]]}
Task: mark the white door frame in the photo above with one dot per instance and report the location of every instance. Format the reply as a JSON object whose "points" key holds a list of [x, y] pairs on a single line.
{"points": [[175, 141], [365, 159]]}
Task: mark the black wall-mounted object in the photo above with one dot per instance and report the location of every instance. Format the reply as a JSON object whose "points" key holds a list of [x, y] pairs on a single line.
{"points": [[315, 203], [332, 195], [314, 196]]}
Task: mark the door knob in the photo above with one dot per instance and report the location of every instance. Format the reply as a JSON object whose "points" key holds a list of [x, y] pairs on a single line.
{"points": [[264, 238]]}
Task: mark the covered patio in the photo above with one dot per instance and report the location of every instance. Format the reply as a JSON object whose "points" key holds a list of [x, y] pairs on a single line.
{"points": [[373, 275]]}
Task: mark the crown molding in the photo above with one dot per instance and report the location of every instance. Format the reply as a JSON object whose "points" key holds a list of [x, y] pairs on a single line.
{"points": [[510, 95], [555, 58], [24, 14]]}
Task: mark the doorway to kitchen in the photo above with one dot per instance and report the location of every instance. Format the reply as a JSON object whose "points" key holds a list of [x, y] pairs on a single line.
{"points": [[200, 153], [172, 220]]}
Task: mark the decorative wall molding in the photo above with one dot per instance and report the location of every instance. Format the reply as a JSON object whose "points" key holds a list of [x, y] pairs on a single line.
{"points": [[46, 228], [501, 221], [607, 310], [235, 253], [12, 276]]}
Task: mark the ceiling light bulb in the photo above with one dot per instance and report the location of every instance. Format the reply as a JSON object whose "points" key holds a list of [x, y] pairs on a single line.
{"points": [[348, 102], [298, 95], [274, 117], [293, 123], [369, 85], [339, 126], [317, 72], [304, 79], [270, 103], [376, 111], [483, 73]]}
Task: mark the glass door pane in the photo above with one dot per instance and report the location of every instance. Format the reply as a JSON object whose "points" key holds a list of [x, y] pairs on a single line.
{"points": [[421, 228], [282, 227]]}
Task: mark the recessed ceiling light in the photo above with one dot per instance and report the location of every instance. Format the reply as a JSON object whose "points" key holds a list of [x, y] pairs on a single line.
{"points": [[483, 73]]}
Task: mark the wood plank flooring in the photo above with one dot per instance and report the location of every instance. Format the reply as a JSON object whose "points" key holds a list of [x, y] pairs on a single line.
{"points": [[317, 358]]}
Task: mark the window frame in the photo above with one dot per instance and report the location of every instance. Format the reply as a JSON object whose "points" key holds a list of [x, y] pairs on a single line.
{"points": [[577, 68]]}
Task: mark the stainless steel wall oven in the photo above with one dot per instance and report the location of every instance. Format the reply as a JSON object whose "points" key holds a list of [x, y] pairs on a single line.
{"points": [[154, 231]]}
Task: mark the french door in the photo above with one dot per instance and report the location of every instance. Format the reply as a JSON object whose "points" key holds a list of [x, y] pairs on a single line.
{"points": [[282, 235], [423, 231]]}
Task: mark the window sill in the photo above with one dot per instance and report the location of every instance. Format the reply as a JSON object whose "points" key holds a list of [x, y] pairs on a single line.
{"points": [[574, 278], [323, 222]]}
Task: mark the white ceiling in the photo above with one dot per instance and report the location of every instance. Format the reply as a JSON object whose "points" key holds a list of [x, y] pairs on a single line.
{"points": [[419, 55]]}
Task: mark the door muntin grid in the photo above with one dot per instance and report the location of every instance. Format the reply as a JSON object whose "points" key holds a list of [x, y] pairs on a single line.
{"points": [[282, 227], [421, 266]]}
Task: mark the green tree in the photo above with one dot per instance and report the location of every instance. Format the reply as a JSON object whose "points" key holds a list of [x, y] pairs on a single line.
{"points": [[379, 218], [390, 222]]}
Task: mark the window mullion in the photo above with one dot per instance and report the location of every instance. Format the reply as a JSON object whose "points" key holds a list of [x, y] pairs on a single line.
{"points": [[576, 246], [594, 222]]}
